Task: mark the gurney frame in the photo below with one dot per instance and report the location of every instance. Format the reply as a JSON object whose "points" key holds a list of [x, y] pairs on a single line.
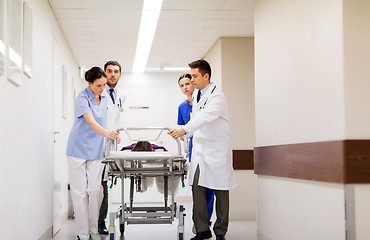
{"points": [[132, 165]]}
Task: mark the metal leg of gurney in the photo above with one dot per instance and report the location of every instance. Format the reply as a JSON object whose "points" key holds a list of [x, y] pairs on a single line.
{"points": [[123, 207], [173, 204], [112, 227], [180, 226], [132, 185], [112, 217], [165, 193]]}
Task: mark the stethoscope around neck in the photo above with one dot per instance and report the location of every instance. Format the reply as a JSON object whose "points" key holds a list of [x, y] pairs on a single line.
{"points": [[206, 100], [119, 105]]}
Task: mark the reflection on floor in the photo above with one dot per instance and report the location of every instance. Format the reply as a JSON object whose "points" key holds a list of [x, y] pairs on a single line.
{"points": [[238, 230]]}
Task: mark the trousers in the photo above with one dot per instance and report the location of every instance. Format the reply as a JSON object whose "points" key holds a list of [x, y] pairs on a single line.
{"points": [[86, 192], [200, 210], [104, 205]]}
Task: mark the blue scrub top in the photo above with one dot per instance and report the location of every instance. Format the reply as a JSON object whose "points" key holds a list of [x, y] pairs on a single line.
{"points": [[183, 118], [83, 141]]}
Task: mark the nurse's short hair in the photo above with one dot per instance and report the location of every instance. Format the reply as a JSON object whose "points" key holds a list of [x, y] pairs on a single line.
{"points": [[203, 67], [114, 63], [94, 73], [186, 75]]}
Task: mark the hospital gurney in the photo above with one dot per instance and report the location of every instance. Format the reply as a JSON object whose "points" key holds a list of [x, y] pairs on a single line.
{"points": [[139, 165]]}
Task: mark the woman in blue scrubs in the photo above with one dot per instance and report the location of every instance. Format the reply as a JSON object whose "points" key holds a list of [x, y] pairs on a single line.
{"points": [[183, 117], [84, 153]]}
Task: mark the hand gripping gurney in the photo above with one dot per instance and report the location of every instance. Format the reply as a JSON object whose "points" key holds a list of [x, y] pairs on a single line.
{"points": [[137, 166]]}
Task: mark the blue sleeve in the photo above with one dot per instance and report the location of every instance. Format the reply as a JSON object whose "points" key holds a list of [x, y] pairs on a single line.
{"points": [[82, 106], [180, 120]]}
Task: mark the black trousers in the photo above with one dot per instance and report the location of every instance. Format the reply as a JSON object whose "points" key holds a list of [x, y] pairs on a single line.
{"points": [[104, 205], [200, 209]]}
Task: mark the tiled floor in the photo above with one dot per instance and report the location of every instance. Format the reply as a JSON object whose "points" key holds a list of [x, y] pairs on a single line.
{"points": [[238, 230]]}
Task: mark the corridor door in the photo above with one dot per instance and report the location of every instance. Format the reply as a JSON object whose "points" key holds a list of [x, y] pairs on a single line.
{"points": [[58, 146]]}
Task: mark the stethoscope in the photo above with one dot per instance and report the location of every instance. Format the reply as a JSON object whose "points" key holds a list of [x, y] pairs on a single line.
{"points": [[119, 105], [205, 101]]}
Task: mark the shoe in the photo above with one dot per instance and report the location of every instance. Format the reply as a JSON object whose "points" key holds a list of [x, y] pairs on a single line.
{"points": [[95, 236], [202, 235], [102, 229], [78, 237], [220, 237]]}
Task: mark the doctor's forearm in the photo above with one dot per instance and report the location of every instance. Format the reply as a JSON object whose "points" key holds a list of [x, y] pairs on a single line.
{"points": [[193, 125]]}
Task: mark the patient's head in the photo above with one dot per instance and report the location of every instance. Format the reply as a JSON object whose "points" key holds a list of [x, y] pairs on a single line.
{"points": [[142, 146]]}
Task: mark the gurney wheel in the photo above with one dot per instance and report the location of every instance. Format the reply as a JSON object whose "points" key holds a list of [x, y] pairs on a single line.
{"points": [[122, 228]]}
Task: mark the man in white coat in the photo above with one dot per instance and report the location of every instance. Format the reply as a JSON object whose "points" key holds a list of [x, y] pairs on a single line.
{"points": [[115, 101], [211, 163]]}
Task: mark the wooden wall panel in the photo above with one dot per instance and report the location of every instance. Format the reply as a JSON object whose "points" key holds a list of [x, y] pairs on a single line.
{"points": [[342, 161], [243, 159]]}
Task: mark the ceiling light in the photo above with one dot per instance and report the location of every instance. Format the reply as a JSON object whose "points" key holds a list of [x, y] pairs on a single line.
{"points": [[148, 25], [180, 69], [162, 69]]}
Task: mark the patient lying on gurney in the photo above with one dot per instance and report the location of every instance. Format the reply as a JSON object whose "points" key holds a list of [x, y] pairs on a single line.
{"points": [[146, 146], [143, 146]]}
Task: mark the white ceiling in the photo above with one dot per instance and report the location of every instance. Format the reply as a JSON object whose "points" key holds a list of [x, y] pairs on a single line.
{"points": [[102, 30]]}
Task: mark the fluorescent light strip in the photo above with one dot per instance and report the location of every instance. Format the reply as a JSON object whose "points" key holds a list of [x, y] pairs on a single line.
{"points": [[184, 69], [173, 69], [148, 25]]}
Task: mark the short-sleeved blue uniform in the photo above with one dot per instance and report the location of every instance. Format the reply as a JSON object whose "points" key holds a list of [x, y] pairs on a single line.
{"points": [[183, 117], [83, 141]]}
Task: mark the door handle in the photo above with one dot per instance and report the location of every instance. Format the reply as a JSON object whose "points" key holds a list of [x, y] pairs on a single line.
{"points": [[55, 133]]}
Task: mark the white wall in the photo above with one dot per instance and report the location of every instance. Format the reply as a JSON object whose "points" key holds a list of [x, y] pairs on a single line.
{"points": [[356, 38], [312, 71], [299, 71], [144, 89], [214, 57], [27, 140], [299, 209], [238, 86], [169, 83], [358, 211]]}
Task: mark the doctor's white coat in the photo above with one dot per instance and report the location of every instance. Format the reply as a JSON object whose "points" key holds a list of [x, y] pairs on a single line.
{"points": [[114, 120], [210, 127]]}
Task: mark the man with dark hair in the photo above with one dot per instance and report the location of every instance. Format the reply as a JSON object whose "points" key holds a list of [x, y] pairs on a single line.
{"points": [[211, 165], [115, 101]]}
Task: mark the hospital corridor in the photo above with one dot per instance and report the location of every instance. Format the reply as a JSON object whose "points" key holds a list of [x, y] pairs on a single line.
{"points": [[185, 119]]}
